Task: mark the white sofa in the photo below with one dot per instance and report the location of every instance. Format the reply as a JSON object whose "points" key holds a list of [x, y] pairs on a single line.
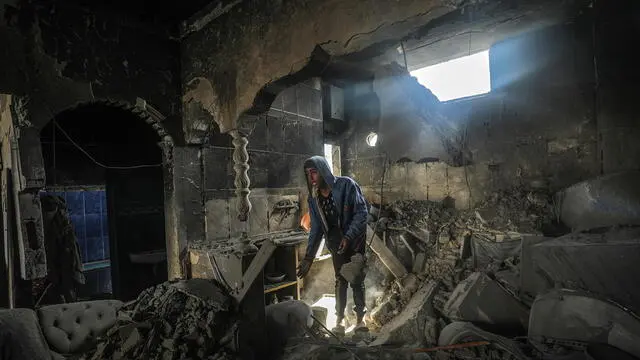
{"points": [[55, 331]]}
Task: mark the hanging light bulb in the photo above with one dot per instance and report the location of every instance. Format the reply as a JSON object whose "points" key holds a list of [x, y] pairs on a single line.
{"points": [[372, 139]]}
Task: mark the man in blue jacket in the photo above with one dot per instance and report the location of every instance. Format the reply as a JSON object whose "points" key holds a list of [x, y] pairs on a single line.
{"points": [[338, 210]]}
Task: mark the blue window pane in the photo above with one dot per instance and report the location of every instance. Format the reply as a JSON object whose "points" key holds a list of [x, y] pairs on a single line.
{"points": [[92, 202], [75, 203], [93, 225], [95, 250], [88, 214]]}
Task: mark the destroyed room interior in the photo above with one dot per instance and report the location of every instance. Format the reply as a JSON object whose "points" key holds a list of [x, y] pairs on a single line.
{"points": [[319, 179]]}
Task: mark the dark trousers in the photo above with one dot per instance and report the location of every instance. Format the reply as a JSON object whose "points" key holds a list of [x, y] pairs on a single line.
{"points": [[341, 286]]}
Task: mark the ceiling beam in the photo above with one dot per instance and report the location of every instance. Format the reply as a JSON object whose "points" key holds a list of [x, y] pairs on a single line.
{"points": [[203, 17]]}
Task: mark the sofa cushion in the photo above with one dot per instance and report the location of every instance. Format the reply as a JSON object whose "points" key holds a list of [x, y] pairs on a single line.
{"points": [[72, 328], [20, 336]]}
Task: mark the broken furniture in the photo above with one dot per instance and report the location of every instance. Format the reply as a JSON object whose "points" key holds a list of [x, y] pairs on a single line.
{"points": [[410, 325], [603, 262], [464, 332], [58, 330], [573, 319], [283, 262], [243, 276], [480, 299], [386, 256]]}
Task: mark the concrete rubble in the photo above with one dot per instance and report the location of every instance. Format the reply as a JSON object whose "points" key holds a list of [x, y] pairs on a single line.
{"points": [[486, 266], [475, 276], [186, 319]]}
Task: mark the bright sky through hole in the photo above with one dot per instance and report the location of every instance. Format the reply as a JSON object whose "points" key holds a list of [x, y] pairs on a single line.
{"points": [[328, 154], [457, 78]]}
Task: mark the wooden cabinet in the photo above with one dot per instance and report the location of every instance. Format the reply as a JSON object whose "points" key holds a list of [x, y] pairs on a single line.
{"points": [[280, 278]]}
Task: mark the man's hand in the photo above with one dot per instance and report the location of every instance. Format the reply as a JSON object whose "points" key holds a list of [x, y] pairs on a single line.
{"points": [[304, 267], [343, 246]]}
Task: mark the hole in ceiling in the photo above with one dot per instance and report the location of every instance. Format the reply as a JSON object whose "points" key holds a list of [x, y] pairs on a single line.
{"points": [[458, 78]]}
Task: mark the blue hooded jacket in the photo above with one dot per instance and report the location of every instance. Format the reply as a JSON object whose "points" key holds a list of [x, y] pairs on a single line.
{"points": [[350, 205]]}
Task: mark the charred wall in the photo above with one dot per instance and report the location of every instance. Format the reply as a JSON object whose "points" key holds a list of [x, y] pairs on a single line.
{"points": [[229, 61], [537, 125], [62, 55], [280, 141]]}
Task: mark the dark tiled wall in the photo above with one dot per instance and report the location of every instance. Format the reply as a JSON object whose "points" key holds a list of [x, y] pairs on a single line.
{"points": [[282, 139]]}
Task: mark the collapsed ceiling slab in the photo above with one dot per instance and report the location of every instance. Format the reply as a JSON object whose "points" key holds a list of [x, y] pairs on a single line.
{"points": [[253, 45]]}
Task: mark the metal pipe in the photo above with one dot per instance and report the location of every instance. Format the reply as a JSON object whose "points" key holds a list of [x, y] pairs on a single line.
{"points": [[8, 238], [406, 243], [15, 172]]}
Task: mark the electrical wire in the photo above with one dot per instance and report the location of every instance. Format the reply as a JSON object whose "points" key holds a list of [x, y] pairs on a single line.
{"points": [[96, 161], [375, 227], [336, 337], [219, 273], [404, 54]]}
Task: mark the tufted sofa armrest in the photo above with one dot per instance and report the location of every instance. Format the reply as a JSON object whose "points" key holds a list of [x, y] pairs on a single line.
{"points": [[71, 328], [20, 336]]}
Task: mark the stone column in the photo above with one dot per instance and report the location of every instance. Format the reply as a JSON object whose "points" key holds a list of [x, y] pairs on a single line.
{"points": [[170, 212], [242, 182], [184, 209]]}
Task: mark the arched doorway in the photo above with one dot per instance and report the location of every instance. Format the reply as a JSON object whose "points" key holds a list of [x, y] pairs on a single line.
{"points": [[106, 164]]}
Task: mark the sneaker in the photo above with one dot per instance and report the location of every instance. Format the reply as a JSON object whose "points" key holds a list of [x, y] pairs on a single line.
{"points": [[360, 325], [338, 330]]}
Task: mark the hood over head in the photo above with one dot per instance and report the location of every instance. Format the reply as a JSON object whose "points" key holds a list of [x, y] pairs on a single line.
{"points": [[321, 164]]}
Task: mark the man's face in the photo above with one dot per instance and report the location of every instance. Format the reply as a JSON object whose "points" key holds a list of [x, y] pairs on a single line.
{"points": [[313, 176]]}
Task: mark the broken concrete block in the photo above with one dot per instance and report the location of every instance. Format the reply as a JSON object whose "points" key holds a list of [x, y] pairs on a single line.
{"points": [[381, 313], [201, 265], [431, 331], [486, 252], [320, 314], [509, 279], [354, 269], [575, 316], [603, 262], [419, 262], [480, 299], [460, 332], [409, 326], [604, 201], [386, 256], [532, 282], [409, 284], [444, 238]]}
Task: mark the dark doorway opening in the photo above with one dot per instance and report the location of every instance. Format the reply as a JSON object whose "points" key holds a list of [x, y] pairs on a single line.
{"points": [[105, 163]]}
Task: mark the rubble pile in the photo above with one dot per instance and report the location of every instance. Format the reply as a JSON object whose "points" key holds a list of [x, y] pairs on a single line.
{"points": [[440, 240], [186, 319], [428, 215], [513, 210], [485, 273]]}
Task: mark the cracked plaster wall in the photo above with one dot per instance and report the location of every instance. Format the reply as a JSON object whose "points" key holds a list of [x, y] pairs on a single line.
{"points": [[229, 61], [536, 124]]}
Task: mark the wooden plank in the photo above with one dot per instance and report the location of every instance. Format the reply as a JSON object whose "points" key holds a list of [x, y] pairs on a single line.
{"points": [[386, 256], [281, 285], [255, 268]]}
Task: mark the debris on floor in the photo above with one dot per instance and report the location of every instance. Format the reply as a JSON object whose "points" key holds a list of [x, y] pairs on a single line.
{"points": [[458, 285], [483, 266], [186, 319]]}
